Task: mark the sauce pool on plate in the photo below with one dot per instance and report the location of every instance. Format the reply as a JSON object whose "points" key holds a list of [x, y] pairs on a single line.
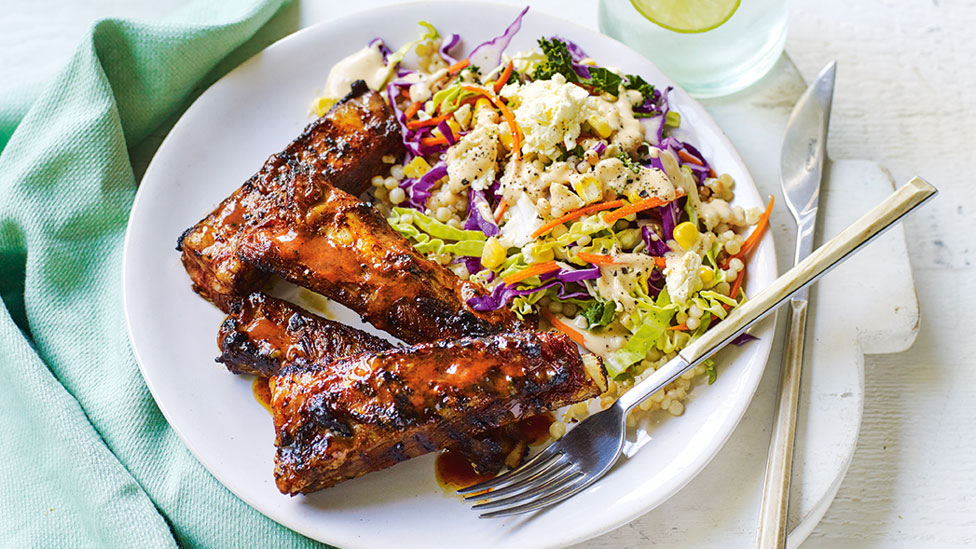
{"points": [[454, 471]]}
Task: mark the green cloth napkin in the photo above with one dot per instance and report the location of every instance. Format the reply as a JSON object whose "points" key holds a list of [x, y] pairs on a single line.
{"points": [[86, 458]]}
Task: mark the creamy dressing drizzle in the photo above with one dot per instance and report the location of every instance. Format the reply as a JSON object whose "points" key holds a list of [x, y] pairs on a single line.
{"points": [[366, 64]]}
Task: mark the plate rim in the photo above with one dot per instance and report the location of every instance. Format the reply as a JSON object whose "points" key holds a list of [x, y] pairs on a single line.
{"points": [[766, 260]]}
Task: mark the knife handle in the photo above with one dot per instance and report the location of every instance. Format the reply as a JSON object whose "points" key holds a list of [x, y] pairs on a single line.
{"points": [[773, 516]]}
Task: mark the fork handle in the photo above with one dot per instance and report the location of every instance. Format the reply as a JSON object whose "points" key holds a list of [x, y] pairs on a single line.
{"points": [[899, 204]]}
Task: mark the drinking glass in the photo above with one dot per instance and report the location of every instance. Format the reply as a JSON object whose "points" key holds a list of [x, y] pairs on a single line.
{"points": [[715, 62]]}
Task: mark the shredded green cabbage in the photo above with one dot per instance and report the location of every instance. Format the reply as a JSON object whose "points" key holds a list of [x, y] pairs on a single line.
{"points": [[429, 235]]}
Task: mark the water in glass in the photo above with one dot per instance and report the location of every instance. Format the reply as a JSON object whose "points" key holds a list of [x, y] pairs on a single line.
{"points": [[706, 64]]}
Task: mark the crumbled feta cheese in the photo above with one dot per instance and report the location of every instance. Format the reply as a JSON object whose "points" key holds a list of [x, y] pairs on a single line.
{"points": [[522, 222], [550, 113], [682, 275]]}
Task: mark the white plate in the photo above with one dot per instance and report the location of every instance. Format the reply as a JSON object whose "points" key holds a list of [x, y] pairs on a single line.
{"points": [[225, 137]]}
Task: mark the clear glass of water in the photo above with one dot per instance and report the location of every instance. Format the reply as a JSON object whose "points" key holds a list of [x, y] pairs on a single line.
{"points": [[715, 62]]}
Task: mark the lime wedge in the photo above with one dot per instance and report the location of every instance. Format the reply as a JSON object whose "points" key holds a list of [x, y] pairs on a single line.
{"points": [[687, 16]]}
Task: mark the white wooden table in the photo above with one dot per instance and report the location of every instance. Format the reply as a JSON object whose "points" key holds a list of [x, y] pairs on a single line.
{"points": [[905, 99]]}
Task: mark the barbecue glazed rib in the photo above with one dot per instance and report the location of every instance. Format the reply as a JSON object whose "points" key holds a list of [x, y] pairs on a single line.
{"points": [[338, 246], [370, 411], [262, 333], [345, 147]]}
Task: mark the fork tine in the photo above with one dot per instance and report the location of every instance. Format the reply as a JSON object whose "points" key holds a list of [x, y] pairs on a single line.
{"points": [[579, 484], [534, 465], [567, 474], [557, 468]]}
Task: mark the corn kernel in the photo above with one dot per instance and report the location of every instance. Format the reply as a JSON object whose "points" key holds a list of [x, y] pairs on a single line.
{"points": [[505, 137], [416, 168], [600, 126], [481, 105], [686, 235], [706, 274], [493, 254], [589, 189]]}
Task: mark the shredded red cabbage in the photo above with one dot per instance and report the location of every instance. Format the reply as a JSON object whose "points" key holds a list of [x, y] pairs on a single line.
{"points": [[573, 275], [418, 190], [447, 132], [413, 147], [655, 246], [743, 339], [472, 264], [477, 207], [600, 147], [383, 47], [495, 193], [670, 213], [447, 46], [489, 54], [658, 106], [503, 293]]}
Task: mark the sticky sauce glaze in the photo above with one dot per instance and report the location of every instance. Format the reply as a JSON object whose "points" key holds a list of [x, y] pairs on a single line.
{"points": [[453, 471], [262, 392]]}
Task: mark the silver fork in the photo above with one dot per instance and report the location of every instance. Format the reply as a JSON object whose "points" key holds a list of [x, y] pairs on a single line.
{"points": [[588, 451]]}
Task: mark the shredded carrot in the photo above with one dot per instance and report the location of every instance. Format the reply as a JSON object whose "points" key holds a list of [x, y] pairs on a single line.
{"points": [[412, 109], [711, 172], [679, 328], [431, 141], [414, 124], [576, 214], [500, 211], [596, 259], [754, 236], [503, 78], [562, 326], [688, 157], [506, 113], [661, 262], [640, 206], [734, 290], [530, 271], [459, 66]]}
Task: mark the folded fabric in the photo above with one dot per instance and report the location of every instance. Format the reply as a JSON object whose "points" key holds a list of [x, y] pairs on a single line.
{"points": [[87, 458]]}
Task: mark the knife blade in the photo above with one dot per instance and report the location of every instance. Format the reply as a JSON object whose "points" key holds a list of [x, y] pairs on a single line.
{"points": [[801, 172]]}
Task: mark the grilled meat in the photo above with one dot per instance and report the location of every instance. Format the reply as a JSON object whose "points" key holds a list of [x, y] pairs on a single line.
{"points": [[370, 411], [344, 147], [263, 332], [340, 247]]}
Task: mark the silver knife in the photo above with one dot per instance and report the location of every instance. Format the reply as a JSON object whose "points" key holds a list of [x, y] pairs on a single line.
{"points": [[801, 170]]}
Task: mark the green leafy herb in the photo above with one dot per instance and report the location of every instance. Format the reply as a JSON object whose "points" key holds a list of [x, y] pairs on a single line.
{"points": [[514, 78], [558, 61], [604, 80], [635, 82], [578, 151], [600, 313], [629, 162]]}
